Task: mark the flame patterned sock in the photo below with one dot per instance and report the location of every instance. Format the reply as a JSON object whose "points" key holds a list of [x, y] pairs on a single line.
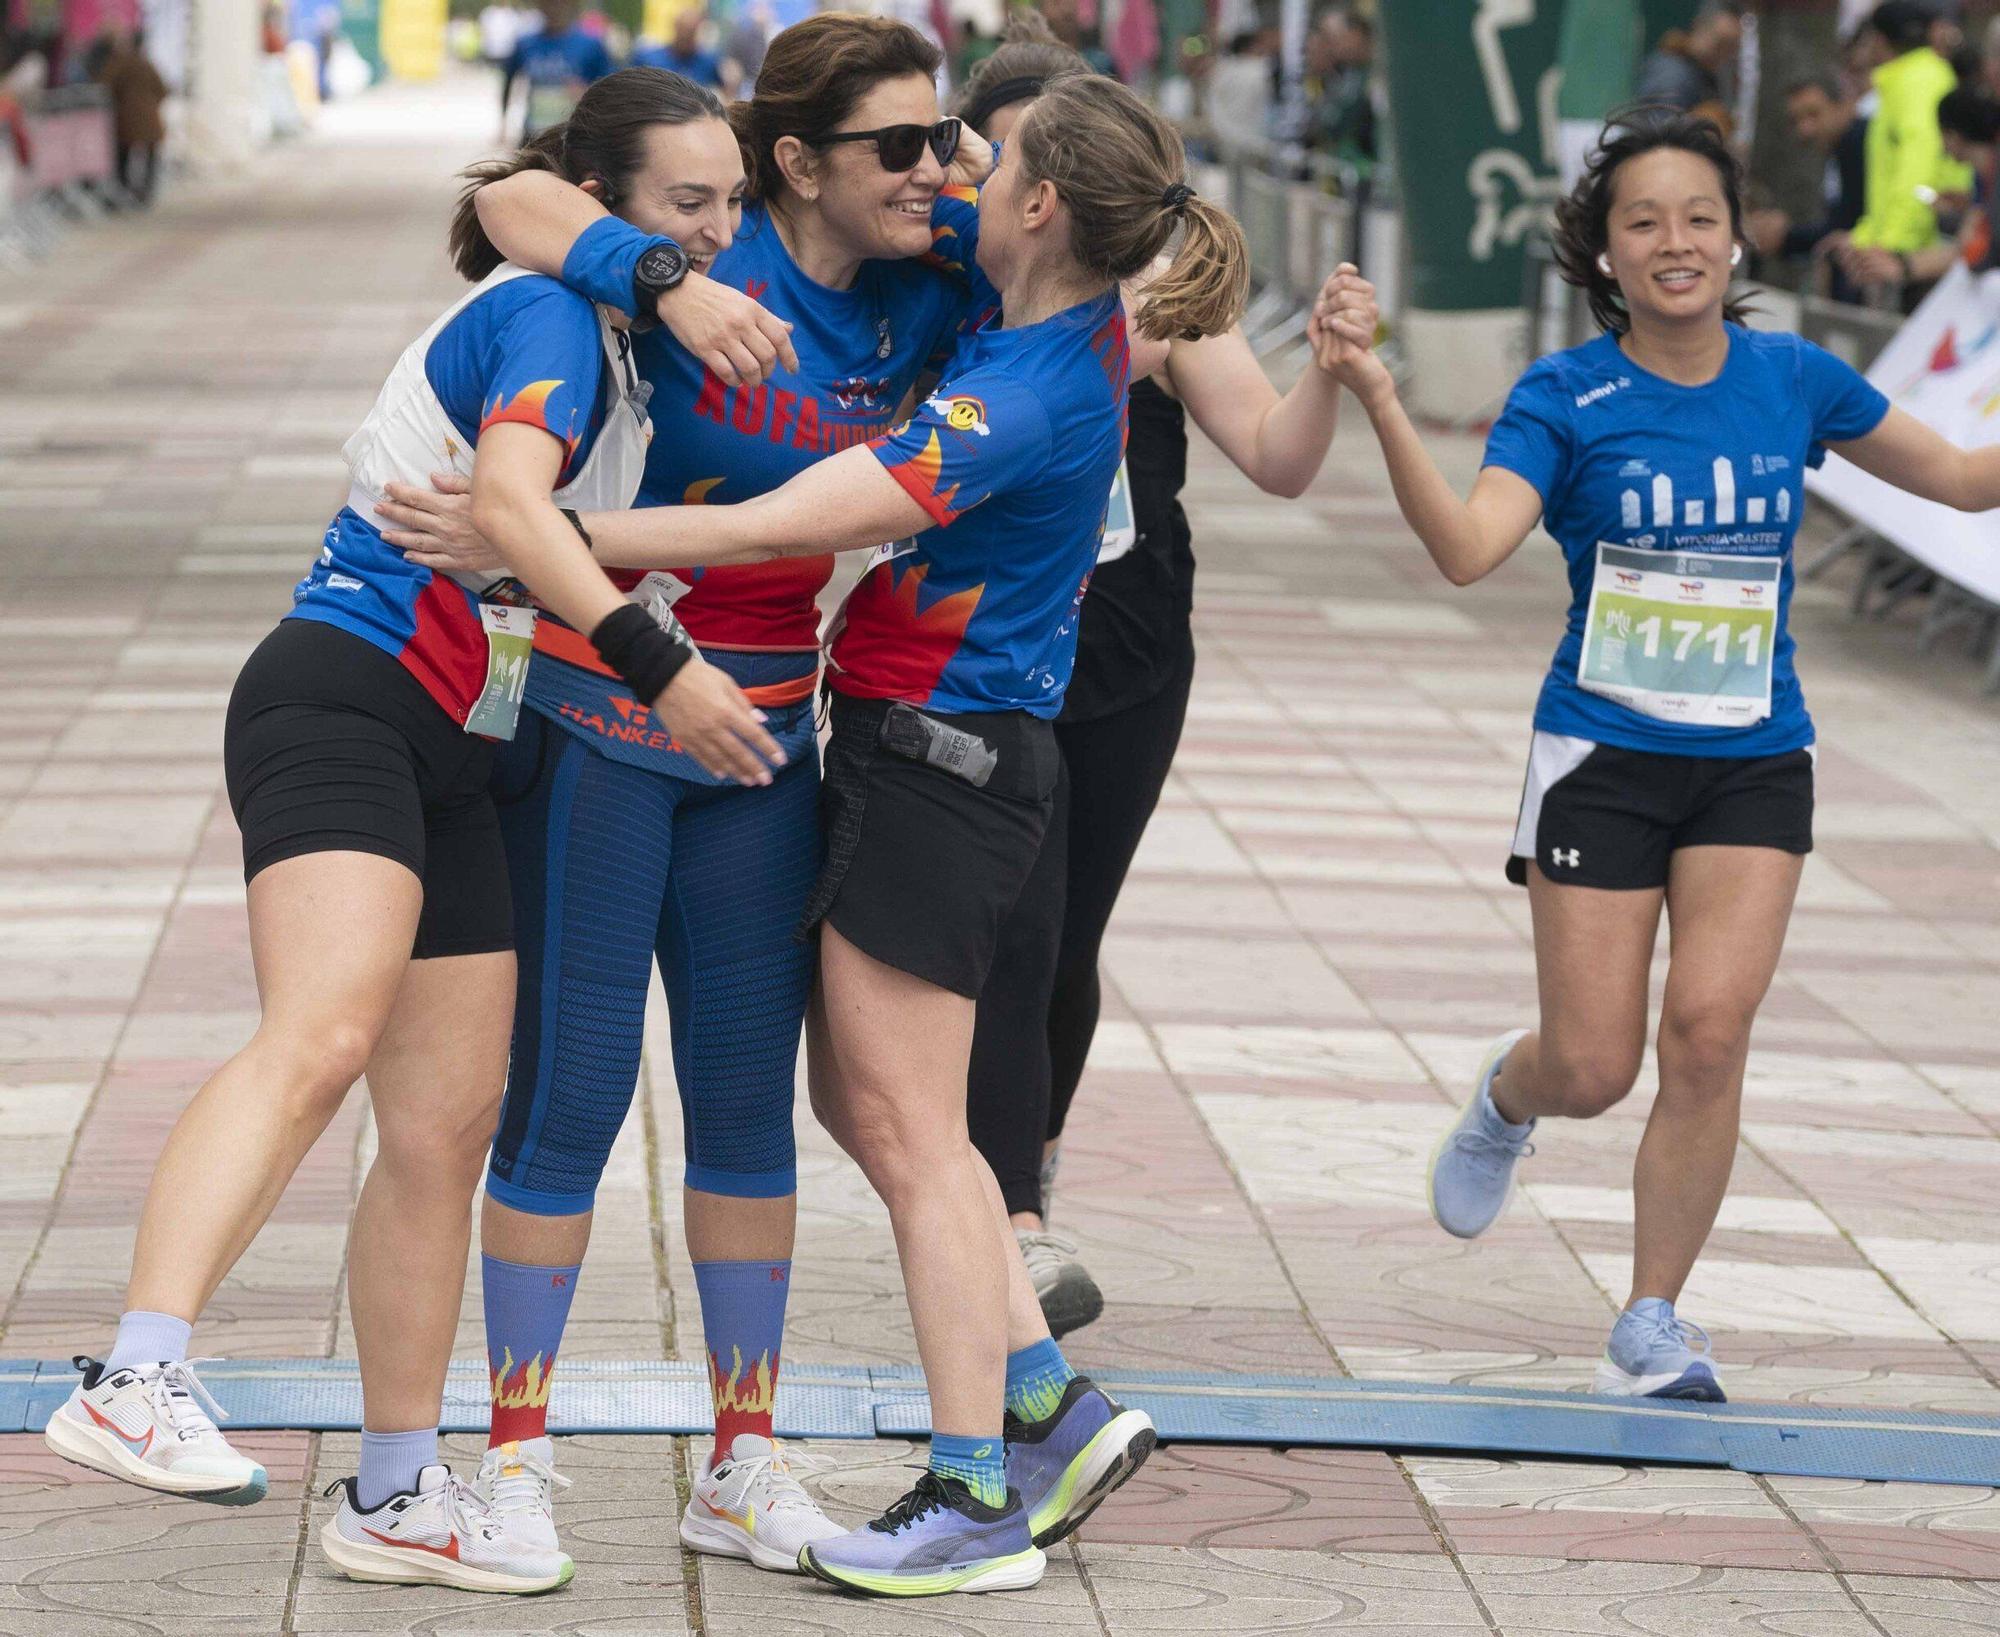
{"points": [[743, 1326], [526, 1309]]}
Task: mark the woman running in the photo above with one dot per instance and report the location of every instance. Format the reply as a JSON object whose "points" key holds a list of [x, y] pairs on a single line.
{"points": [[947, 671], [1122, 715], [359, 743], [1672, 763], [624, 851]]}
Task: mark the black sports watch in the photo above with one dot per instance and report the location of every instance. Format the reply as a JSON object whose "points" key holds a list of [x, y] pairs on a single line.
{"points": [[661, 269]]}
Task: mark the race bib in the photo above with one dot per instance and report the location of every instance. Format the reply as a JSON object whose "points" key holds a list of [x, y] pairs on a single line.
{"points": [[510, 641], [1121, 528], [1682, 638], [657, 593]]}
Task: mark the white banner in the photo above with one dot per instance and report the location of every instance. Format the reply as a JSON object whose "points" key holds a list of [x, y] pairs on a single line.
{"points": [[1944, 368]]}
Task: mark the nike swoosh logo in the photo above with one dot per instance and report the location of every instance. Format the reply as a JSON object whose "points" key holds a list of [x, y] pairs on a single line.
{"points": [[138, 1446], [450, 1550], [747, 1522]]}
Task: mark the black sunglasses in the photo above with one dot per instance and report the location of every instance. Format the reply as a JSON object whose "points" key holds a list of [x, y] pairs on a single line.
{"points": [[900, 147]]}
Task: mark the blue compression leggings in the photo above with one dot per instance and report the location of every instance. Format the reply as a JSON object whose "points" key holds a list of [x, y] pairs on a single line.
{"points": [[614, 867]]}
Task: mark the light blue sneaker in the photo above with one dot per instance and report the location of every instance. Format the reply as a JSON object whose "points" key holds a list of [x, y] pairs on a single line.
{"points": [[1472, 1167], [1065, 1466], [1655, 1354], [936, 1539]]}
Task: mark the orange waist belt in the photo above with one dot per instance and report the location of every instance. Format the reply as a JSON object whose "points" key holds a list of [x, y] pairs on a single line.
{"points": [[559, 641]]}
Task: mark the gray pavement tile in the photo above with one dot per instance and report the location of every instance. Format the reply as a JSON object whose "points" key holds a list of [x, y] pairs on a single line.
{"points": [[1531, 1596], [1147, 1589], [1908, 1607], [739, 1601]]}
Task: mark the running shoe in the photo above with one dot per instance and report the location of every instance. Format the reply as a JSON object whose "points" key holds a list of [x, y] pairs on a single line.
{"points": [[936, 1539], [153, 1425], [1472, 1167], [1069, 1296], [519, 1482], [439, 1534], [1653, 1353], [750, 1504], [1064, 1467]]}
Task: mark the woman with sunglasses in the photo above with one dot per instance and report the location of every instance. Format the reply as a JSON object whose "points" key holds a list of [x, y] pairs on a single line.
{"points": [[625, 853], [947, 674], [1122, 715]]}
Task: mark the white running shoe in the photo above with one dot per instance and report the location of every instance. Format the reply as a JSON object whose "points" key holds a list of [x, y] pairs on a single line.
{"points": [[153, 1425], [750, 1505], [1069, 1296], [519, 1482], [440, 1534]]}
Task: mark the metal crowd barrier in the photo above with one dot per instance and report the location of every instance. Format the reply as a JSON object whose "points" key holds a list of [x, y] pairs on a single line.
{"points": [[70, 171], [1302, 215]]}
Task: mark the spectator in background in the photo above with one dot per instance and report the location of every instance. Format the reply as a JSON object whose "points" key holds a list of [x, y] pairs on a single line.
{"points": [[1907, 166], [559, 63], [1969, 122], [748, 40], [1239, 93], [499, 33], [137, 94], [1686, 69], [685, 55], [1823, 118], [1989, 59], [1340, 54]]}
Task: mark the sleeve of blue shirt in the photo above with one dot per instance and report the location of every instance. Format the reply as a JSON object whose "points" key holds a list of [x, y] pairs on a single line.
{"points": [[983, 434], [1532, 437], [606, 254], [599, 62], [1842, 402], [527, 351]]}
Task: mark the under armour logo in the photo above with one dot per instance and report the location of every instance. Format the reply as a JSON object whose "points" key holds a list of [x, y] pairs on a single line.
{"points": [[1566, 855]]}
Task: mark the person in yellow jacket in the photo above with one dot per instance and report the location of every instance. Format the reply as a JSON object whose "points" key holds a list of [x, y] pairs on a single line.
{"points": [[1907, 167]]}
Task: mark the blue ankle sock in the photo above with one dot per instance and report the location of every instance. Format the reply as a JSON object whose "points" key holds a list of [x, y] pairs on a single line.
{"points": [[148, 1338], [1036, 1377], [526, 1309], [390, 1463], [978, 1463], [742, 1327]]}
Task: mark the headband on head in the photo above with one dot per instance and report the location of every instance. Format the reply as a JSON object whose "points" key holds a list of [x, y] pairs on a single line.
{"points": [[1176, 197], [1021, 88]]}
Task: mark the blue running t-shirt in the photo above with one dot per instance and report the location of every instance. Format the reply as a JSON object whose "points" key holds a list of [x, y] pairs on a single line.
{"points": [[1013, 458], [1623, 457], [528, 350]]}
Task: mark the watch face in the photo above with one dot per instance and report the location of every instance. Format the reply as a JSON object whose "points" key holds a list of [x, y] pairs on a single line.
{"points": [[662, 266]]}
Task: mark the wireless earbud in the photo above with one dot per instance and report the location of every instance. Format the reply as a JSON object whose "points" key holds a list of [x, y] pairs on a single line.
{"points": [[1735, 254], [1604, 265]]}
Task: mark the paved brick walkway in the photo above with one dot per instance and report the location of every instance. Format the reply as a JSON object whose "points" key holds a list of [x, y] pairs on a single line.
{"points": [[1315, 947]]}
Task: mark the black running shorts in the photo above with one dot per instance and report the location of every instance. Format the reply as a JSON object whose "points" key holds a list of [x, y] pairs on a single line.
{"points": [[1600, 816], [922, 866], [331, 746]]}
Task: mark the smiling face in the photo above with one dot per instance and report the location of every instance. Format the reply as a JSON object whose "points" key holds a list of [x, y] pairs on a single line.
{"points": [[1670, 237], [690, 187], [876, 214]]}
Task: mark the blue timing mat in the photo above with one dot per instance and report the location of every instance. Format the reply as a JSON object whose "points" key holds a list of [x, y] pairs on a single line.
{"points": [[861, 1401]]}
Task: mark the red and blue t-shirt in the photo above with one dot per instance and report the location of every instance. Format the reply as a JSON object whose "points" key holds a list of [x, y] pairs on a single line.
{"points": [[1013, 458], [527, 350]]}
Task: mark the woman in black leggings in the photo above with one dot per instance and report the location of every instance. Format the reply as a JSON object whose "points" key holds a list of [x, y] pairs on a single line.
{"points": [[1122, 719]]}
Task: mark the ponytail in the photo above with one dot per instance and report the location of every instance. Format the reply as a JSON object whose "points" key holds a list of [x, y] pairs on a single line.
{"points": [[472, 253], [1207, 285], [1120, 169]]}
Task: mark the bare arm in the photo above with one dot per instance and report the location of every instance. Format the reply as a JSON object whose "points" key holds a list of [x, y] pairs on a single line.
{"points": [[534, 219], [1905, 452], [1277, 443], [512, 506], [844, 503]]}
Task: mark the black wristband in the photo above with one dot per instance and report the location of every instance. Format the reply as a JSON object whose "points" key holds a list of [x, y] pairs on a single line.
{"points": [[647, 657], [576, 523]]}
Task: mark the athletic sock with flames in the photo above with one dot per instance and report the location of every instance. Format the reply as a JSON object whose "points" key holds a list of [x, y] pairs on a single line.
{"points": [[743, 1325], [526, 1309]]}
